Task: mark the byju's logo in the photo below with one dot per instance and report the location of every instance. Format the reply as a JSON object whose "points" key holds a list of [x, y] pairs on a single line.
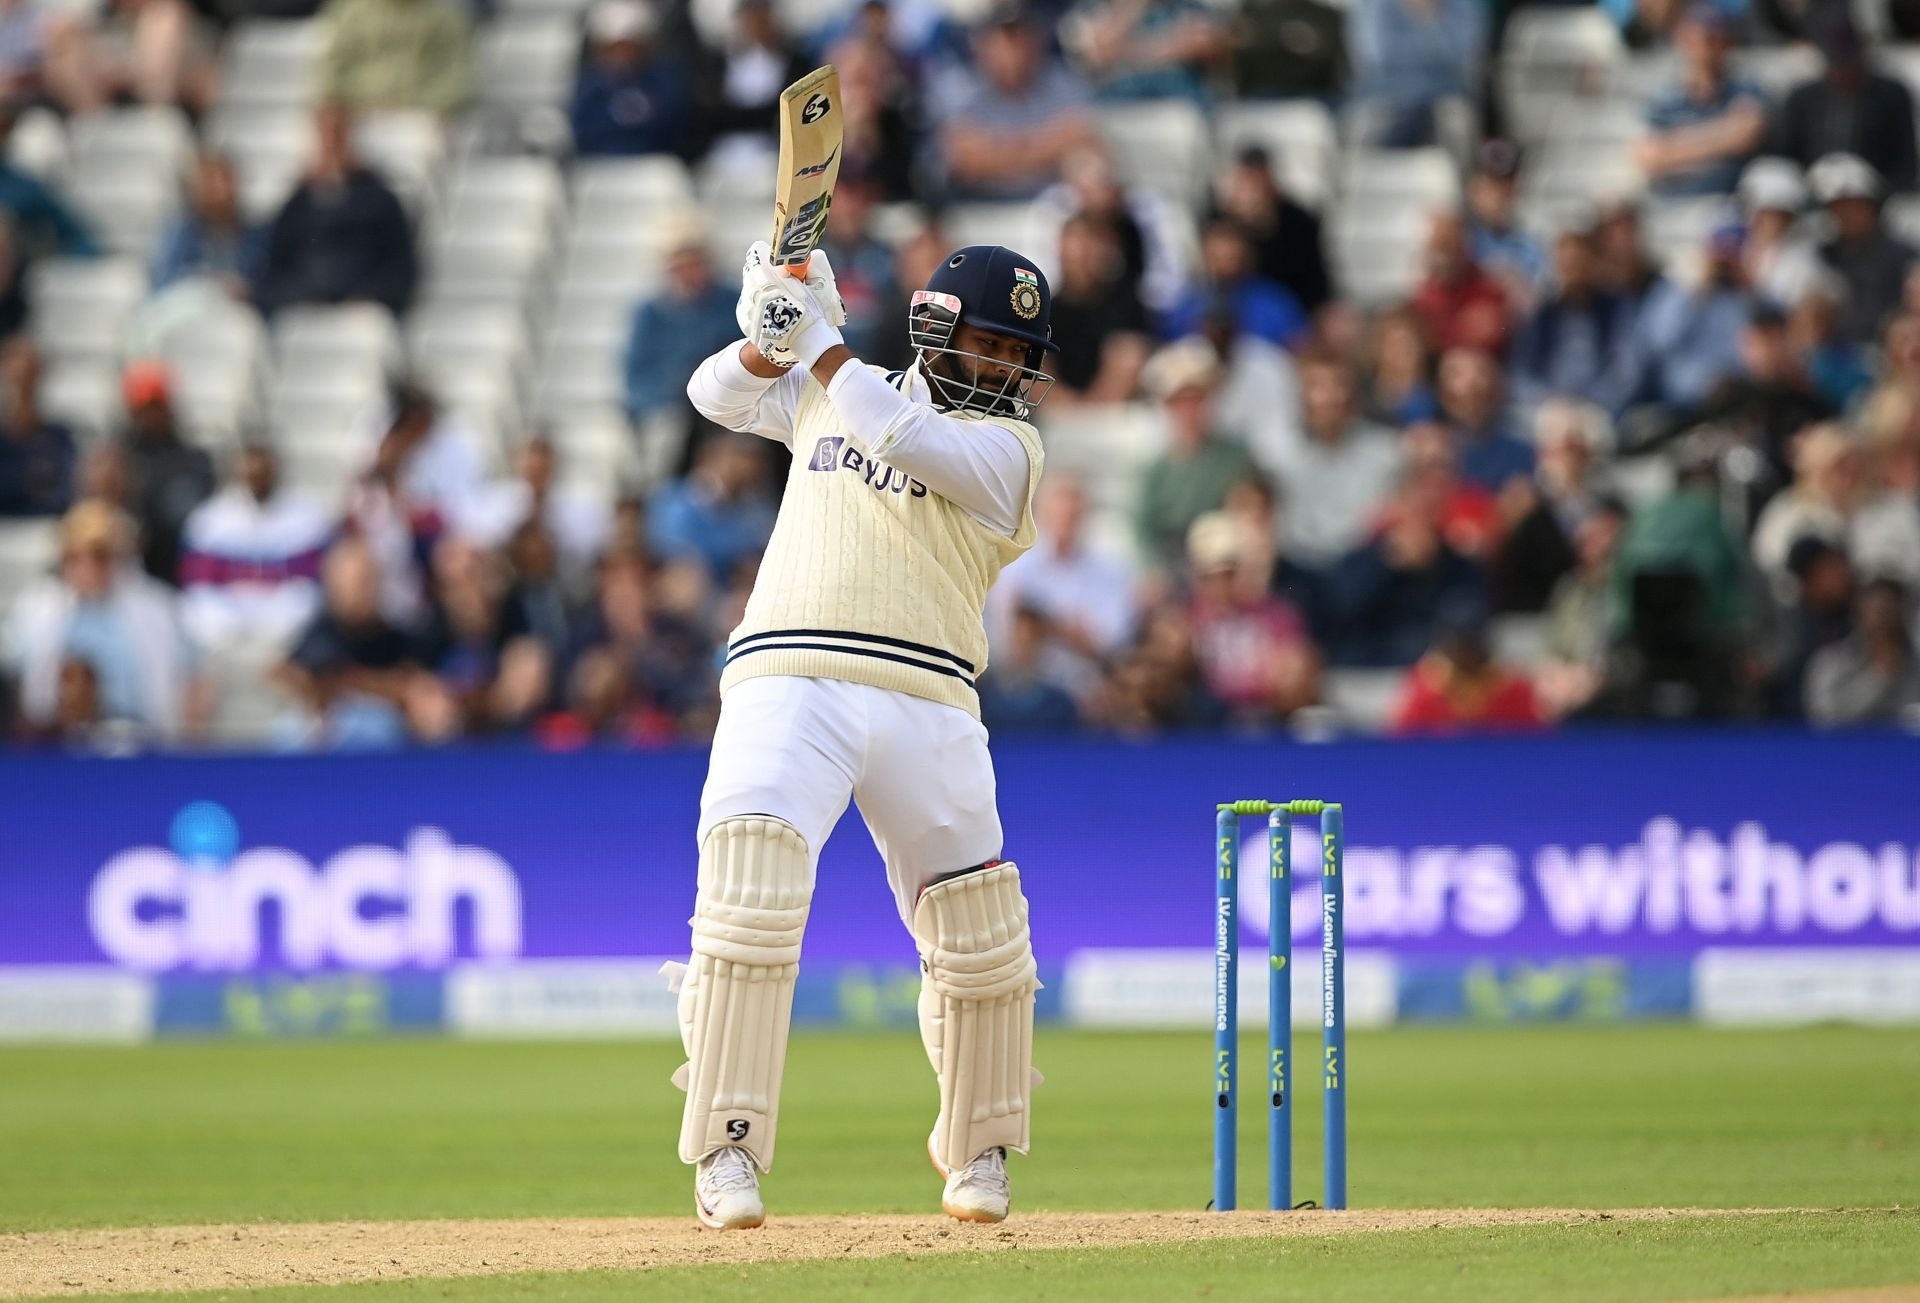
{"points": [[826, 454], [203, 902]]}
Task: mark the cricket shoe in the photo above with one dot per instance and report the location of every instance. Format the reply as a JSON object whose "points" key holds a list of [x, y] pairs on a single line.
{"points": [[978, 1192], [726, 1191]]}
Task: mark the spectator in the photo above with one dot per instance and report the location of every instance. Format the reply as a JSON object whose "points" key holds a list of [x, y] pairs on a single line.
{"points": [[1567, 347], [154, 52], [355, 673], [1498, 243], [914, 261], [673, 331], [1871, 262], [1286, 237], [1283, 48], [1253, 649], [863, 266], [737, 91], [13, 282], [1193, 475], [1146, 49], [484, 677], [1334, 468], [1015, 693], [1582, 615], [1257, 377], [100, 610], [1099, 321], [641, 663], [1701, 132], [1468, 514], [719, 514], [213, 238], [879, 93], [43, 223], [1694, 595], [1838, 366], [1686, 338], [46, 57], [1625, 270], [1149, 232], [36, 454], [1083, 594], [1389, 595], [342, 235], [1820, 614], [250, 564], [1006, 127], [1471, 403], [1262, 308], [539, 603], [1849, 109], [1458, 686], [395, 54], [169, 476], [1768, 401], [1417, 68], [1548, 512], [1827, 490], [78, 720], [633, 95], [1158, 686], [1873, 676], [1781, 264], [578, 522], [1399, 384], [1884, 540], [1458, 304], [392, 510]]}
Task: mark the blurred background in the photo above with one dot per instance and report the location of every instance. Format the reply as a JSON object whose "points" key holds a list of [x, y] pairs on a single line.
{"points": [[1429, 368]]}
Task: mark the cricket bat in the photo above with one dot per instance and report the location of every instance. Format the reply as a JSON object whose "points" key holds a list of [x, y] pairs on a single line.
{"points": [[811, 131]]}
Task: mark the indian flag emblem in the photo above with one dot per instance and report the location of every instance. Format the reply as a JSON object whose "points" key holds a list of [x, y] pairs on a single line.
{"points": [[1025, 277]]}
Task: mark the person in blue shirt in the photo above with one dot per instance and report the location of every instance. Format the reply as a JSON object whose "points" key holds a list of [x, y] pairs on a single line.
{"points": [[689, 319], [1474, 409], [1701, 132], [1686, 339], [1416, 63], [1261, 307], [633, 96], [719, 513], [213, 238]]}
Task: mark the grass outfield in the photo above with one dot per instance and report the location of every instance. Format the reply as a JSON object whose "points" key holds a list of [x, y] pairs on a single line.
{"points": [[1550, 1117]]}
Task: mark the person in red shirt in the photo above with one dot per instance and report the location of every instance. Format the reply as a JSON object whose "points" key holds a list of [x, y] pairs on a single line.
{"points": [[1459, 304], [1255, 653], [1458, 686]]}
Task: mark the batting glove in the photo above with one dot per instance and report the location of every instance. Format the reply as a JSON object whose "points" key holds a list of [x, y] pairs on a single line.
{"points": [[789, 325]]}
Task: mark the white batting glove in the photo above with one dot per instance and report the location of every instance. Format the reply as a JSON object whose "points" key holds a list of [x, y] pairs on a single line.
{"points": [[789, 325], [825, 291]]}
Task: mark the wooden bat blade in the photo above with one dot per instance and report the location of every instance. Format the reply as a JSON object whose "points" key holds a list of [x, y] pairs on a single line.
{"points": [[811, 133]]}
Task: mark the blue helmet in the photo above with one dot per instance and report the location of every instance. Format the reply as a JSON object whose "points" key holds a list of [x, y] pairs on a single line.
{"points": [[991, 288]]}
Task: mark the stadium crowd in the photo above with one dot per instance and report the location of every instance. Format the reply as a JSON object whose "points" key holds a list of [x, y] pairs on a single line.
{"points": [[1565, 478]]}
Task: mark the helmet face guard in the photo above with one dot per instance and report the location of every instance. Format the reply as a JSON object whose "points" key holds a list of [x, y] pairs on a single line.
{"points": [[966, 381]]}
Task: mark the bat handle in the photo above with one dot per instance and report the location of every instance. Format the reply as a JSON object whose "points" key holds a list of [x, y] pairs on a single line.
{"points": [[797, 270]]}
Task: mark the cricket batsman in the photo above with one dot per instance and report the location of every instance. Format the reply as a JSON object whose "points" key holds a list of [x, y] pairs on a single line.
{"points": [[852, 676]]}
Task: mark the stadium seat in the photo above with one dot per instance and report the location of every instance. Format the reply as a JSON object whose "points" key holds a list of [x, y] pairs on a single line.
{"points": [[270, 64], [28, 550], [1300, 136], [1165, 145], [81, 305], [357, 333], [128, 209], [406, 149], [1519, 640], [1777, 69], [85, 394], [138, 140], [1363, 698], [526, 61]]}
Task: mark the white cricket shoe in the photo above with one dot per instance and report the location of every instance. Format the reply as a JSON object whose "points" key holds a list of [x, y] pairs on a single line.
{"points": [[726, 1191], [978, 1192]]}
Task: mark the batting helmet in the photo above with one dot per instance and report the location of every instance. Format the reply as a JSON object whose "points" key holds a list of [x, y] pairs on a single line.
{"points": [[991, 288]]}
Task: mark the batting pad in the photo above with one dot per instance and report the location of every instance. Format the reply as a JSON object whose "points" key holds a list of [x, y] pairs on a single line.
{"points": [[976, 1009], [736, 997]]}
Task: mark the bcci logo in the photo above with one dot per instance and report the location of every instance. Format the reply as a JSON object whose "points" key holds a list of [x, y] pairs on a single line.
{"points": [[1026, 294], [826, 454]]}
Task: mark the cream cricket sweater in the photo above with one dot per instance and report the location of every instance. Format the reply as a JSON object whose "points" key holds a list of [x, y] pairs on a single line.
{"points": [[871, 575]]}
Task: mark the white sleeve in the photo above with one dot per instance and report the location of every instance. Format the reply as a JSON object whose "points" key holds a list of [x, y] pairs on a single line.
{"points": [[726, 393], [979, 465]]}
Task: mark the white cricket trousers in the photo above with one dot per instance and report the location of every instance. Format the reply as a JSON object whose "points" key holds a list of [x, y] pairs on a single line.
{"points": [[799, 748]]}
